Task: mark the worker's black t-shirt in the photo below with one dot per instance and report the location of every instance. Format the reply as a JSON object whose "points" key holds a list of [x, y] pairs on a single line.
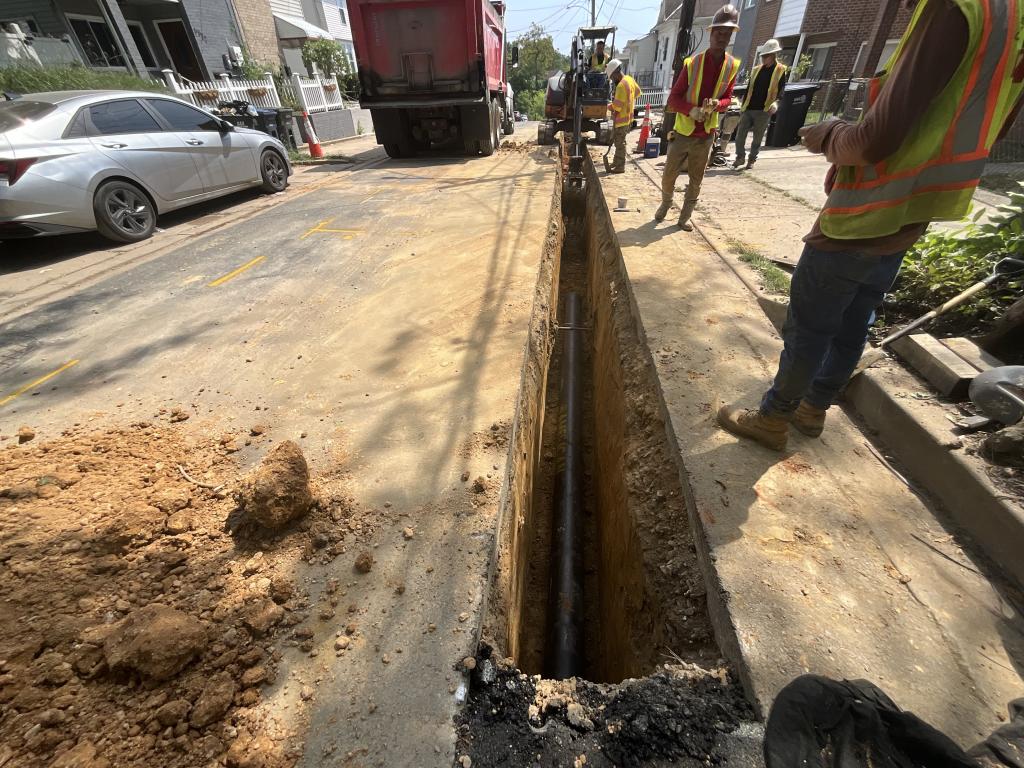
{"points": [[759, 95]]}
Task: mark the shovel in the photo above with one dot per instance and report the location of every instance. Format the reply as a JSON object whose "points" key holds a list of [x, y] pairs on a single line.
{"points": [[1005, 267]]}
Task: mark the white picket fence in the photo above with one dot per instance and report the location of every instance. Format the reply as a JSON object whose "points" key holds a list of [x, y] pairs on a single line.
{"points": [[651, 98], [318, 94], [259, 93]]}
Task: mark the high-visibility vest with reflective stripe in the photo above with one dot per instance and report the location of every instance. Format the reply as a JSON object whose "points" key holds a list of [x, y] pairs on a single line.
{"points": [[694, 67], [626, 93], [773, 85], [598, 62], [933, 175]]}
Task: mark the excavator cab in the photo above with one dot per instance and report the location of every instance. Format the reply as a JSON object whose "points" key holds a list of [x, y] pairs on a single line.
{"points": [[577, 103], [589, 90]]}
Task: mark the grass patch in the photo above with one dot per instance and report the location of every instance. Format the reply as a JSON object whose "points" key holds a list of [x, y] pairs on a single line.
{"points": [[774, 279], [783, 192], [73, 78]]}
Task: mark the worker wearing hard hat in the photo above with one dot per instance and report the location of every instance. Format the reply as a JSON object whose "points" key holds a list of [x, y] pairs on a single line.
{"points": [[702, 91], [623, 103], [951, 89], [767, 82], [598, 59]]}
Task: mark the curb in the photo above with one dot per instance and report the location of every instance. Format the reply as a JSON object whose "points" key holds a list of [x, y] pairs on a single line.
{"points": [[994, 521]]}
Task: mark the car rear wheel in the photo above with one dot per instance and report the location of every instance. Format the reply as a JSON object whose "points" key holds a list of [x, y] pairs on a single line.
{"points": [[124, 213], [274, 172]]}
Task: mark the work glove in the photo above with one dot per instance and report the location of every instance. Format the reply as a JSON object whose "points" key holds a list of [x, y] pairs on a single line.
{"points": [[773, 108], [697, 115]]}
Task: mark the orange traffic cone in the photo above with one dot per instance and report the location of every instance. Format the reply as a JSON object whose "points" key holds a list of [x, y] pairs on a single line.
{"points": [[645, 132], [315, 150]]}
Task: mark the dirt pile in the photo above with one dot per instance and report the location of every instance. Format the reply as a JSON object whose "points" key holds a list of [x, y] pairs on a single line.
{"points": [[278, 490], [134, 629], [680, 715]]}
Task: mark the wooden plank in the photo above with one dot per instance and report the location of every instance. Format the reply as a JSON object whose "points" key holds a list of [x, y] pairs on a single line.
{"points": [[972, 353], [940, 366]]}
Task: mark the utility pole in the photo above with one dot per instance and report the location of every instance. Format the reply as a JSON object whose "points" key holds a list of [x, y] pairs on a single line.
{"points": [[681, 51], [593, 13], [883, 24]]}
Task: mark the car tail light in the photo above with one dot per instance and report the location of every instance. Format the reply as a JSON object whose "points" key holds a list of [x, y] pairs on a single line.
{"points": [[12, 170]]}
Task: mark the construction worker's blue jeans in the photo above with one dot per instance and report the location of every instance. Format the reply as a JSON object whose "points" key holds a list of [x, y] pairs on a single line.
{"points": [[832, 303]]}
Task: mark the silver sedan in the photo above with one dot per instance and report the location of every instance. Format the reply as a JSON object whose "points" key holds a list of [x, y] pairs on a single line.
{"points": [[114, 160]]}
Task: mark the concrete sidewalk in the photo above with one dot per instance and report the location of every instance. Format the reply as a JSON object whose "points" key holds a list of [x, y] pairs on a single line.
{"points": [[823, 559]]}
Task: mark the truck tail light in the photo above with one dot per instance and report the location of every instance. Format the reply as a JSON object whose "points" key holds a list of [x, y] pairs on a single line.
{"points": [[12, 170]]}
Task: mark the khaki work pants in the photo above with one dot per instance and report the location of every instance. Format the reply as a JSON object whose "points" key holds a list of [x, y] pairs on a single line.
{"points": [[692, 153], [619, 142]]}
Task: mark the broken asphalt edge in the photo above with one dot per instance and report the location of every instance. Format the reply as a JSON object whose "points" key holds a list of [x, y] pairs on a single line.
{"points": [[993, 521]]}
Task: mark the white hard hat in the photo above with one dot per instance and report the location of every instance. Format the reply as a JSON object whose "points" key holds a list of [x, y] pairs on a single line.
{"points": [[770, 46], [612, 66]]}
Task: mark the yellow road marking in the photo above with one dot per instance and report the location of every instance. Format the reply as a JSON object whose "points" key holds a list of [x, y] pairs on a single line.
{"points": [[321, 228], [37, 382], [236, 273]]}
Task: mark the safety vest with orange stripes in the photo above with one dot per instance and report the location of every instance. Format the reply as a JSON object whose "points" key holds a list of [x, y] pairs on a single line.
{"points": [[694, 77], [626, 93], [773, 84], [933, 175]]}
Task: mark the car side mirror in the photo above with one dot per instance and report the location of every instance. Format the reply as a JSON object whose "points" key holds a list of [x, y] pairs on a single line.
{"points": [[224, 127], [515, 56]]}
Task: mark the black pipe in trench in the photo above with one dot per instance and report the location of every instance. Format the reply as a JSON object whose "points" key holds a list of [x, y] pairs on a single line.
{"points": [[565, 648]]}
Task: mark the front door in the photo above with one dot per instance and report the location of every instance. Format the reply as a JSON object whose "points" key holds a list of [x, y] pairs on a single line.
{"points": [[179, 48]]}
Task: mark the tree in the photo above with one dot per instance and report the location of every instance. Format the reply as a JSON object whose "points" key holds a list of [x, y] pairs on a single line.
{"points": [[538, 59], [330, 59], [326, 56]]}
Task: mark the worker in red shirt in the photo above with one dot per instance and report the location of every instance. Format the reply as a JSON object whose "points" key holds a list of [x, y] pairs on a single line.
{"points": [[702, 92]]}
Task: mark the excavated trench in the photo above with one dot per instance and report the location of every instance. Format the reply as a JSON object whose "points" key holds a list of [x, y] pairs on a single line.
{"points": [[640, 597]]}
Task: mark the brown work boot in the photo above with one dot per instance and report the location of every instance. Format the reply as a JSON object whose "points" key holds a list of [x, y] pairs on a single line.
{"points": [[737, 163], [770, 431], [750, 164], [684, 215], [808, 419], [662, 212]]}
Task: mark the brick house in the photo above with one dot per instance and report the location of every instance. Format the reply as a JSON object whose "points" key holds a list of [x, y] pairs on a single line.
{"points": [[834, 33]]}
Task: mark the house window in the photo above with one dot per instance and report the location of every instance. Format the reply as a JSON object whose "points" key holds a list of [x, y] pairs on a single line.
{"points": [[343, 14], [821, 60], [96, 41], [887, 52], [142, 43]]}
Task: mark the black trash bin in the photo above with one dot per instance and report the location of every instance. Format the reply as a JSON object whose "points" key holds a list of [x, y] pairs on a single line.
{"points": [[245, 121], [793, 106], [266, 121], [284, 127]]}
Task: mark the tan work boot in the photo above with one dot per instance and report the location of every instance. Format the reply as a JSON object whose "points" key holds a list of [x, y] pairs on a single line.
{"points": [[662, 212], [770, 431], [808, 419], [684, 215]]}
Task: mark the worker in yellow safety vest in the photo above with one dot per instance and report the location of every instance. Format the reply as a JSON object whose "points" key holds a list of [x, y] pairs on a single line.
{"points": [[598, 59], [767, 82], [953, 85], [702, 91], [626, 93]]}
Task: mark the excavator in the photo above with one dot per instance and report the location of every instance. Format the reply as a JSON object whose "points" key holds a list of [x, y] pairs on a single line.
{"points": [[576, 103]]}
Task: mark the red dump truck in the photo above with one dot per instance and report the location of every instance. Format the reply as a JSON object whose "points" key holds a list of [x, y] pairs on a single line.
{"points": [[433, 72]]}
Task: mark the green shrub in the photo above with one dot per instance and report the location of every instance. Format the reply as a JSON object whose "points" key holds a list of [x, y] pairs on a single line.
{"points": [[531, 103], [942, 264], [72, 78]]}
